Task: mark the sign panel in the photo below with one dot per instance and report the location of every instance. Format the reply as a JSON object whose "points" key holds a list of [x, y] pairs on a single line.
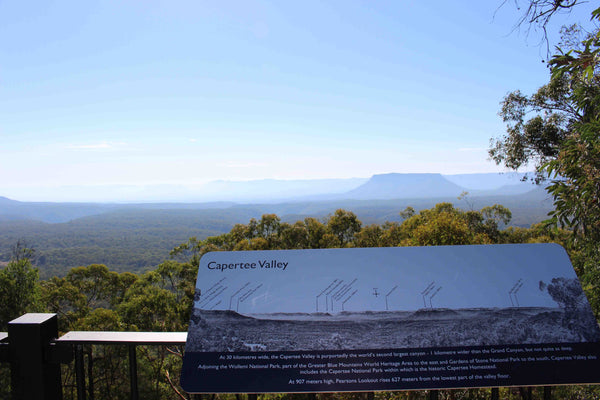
{"points": [[398, 318]]}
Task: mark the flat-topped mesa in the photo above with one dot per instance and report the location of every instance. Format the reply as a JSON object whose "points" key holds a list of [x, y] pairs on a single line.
{"points": [[397, 186]]}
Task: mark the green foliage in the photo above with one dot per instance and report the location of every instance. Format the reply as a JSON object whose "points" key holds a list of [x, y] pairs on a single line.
{"points": [[84, 290], [562, 138], [576, 167], [536, 140], [576, 191], [537, 233], [19, 290], [441, 225], [370, 236], [344, 225], [446, 225], [160, 300], [147, 307]]}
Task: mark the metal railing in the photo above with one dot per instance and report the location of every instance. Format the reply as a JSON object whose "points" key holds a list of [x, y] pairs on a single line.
{"points": [[79, 339], [4, 355], [35, 352]]}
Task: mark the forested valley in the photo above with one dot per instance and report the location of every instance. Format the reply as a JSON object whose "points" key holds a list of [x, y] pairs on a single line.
{"points": [[136, 238]]}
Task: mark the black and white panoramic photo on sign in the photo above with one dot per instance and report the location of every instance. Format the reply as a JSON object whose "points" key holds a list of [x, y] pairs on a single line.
{"points": [[389, 318]]}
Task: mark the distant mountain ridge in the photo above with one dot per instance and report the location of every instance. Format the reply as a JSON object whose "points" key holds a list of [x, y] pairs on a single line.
{"points": [[224, 194], [274, 190]]}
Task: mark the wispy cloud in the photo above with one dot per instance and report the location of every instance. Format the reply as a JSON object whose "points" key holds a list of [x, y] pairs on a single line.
{"points": [[241, 165], [96, 146]]}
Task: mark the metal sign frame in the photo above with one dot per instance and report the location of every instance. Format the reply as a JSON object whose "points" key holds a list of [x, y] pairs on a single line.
{"points": [[367, 319]]}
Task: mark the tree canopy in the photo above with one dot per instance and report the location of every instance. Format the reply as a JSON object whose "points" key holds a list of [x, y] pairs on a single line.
{"points": [[556, 130]]}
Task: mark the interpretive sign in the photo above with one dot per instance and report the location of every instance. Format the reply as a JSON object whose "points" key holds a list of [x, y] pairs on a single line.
{"points": [[389, 319]]}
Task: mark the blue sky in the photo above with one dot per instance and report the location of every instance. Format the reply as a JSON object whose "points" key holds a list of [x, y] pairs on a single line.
{"points": [[154, 92]]}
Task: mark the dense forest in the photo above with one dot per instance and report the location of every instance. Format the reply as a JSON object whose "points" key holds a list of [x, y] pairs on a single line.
{"points": [[136, 238], [124, 240], [94, 297]]}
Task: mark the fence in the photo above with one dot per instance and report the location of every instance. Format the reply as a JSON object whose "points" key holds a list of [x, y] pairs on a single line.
{"points": [[35, 352], [77, 340]]}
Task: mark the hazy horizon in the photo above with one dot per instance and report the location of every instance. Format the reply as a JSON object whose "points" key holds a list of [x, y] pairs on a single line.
{"points": [[248, 190]]}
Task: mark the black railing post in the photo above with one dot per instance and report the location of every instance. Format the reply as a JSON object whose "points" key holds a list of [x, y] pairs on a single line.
{"points": [[495, 393], [79, 372], [90, 374], [4, 354], [33, 376], [133, 383]]}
